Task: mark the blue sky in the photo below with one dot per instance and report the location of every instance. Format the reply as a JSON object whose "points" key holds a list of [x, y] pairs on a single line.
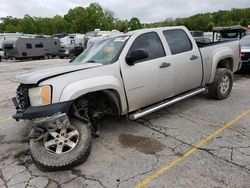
{"points": [[145, 10]]}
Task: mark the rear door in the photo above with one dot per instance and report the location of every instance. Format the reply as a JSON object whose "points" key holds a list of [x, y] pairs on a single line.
{"points": [[185, 60], [149, 80]]}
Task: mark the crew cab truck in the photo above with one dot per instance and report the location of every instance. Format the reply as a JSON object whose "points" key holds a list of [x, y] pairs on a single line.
{"points": [[130, 75]]}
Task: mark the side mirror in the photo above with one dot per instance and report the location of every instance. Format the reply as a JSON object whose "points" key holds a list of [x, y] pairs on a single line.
{"points": [[136, 55]]}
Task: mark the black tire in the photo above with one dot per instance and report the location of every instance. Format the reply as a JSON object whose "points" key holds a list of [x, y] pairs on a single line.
{"points": [[215, 89], [50, 56], [46, 56], [48, 161]]}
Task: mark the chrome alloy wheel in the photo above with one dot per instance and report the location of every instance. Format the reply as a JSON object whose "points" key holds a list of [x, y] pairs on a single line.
{"points": [[225, 84], [62, 140]]}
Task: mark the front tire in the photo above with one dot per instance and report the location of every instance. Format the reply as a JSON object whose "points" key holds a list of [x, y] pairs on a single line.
{"points": [[222, 86], [62, 149]]}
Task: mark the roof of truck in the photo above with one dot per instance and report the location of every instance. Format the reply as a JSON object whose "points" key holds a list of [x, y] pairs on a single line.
{"points": [[154, 29]]}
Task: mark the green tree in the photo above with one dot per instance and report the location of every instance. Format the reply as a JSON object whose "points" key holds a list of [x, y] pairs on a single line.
{"points": [[95, 16], [26, 24], [134, 24], [82, 20], [78, 20], [121, 25], [10, 24], [60, 24], [108, 20]]}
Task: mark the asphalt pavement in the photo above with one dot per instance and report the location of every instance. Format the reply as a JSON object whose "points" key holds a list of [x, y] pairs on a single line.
{"points": [[199, 142]]}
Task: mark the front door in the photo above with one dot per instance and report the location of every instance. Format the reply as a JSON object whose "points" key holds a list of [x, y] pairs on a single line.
{"points": [[149, 80]]}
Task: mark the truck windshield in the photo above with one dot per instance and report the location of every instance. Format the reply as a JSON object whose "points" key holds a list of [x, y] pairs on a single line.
{"points": [[105, 51]]}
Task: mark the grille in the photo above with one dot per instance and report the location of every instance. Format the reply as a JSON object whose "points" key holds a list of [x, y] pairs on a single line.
{"points": [[246, 56], [22, 96]]}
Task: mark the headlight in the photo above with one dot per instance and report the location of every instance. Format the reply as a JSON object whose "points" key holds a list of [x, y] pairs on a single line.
{"points": [[40, 96]]}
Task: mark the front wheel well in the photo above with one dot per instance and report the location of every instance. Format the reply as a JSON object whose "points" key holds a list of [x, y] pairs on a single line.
{"points": [[96, 105]]}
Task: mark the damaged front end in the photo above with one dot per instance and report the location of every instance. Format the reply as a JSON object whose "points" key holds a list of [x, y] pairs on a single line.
{"points": [[26, 111], [60, 138], [49, 124], [44, 118]]}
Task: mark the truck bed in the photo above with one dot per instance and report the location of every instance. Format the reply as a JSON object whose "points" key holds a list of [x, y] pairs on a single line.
{"points": [[211, 52], [203, 45]]}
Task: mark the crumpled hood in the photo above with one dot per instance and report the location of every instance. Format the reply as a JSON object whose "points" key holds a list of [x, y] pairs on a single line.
{"points": [[35, 75]]}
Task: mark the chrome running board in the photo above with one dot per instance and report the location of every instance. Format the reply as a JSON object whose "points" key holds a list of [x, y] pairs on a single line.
{"points": [[165, 103]]}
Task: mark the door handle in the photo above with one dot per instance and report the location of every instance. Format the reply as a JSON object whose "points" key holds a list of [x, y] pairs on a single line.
{"points": [[194, 57], [164, 65]]}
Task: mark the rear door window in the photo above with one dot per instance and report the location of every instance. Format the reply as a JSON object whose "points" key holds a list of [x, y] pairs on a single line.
{"points": [[151, 43], [178, 41]]}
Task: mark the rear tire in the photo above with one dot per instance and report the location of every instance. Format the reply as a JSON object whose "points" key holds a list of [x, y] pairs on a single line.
{"points": [[50, 160], [46, 56], [222, 86]]}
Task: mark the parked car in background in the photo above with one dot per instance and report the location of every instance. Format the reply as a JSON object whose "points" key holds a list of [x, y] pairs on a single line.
{"points": [[75, 50], [37, 47], [71, 51], [63, 52], [245, 53]]}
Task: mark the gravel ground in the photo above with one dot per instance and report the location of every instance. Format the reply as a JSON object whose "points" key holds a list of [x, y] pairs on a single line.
{"points": [[128, 152]]}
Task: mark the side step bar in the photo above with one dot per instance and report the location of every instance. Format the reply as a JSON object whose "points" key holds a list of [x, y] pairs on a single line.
{"points": [[165, 103]]}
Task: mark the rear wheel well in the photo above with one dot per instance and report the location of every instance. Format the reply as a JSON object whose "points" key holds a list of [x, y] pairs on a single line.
{"points": [[226, 63], [96, 105]]}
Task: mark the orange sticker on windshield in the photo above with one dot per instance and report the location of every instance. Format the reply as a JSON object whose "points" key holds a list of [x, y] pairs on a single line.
{"points": [[109, 49]]}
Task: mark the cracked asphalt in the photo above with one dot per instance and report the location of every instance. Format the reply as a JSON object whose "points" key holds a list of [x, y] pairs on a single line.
{"points": [[128, 152]]}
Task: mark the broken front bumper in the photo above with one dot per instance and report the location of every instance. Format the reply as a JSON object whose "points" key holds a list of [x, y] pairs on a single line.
{"points": [[34, 112]]}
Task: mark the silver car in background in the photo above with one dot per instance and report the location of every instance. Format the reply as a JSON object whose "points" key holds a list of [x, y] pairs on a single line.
{"points": [[245, 52]]}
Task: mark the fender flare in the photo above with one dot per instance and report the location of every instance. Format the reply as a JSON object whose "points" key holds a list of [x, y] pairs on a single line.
{"points": [[83, 87], [217, 58]]}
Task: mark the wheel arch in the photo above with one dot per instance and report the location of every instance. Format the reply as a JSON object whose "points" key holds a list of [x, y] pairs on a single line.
{"points": [[224, 59], [109, 86], [102, 102]]}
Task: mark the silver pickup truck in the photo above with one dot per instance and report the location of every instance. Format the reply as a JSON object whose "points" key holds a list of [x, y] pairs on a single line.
{"points": [[130, 75]]}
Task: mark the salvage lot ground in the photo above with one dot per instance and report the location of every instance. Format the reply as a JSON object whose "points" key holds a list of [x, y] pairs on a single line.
{"points": [[129, 152]]}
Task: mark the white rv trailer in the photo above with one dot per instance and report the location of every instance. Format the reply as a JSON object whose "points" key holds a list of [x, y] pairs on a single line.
{"points": [[11, 36], [36, 47]]}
